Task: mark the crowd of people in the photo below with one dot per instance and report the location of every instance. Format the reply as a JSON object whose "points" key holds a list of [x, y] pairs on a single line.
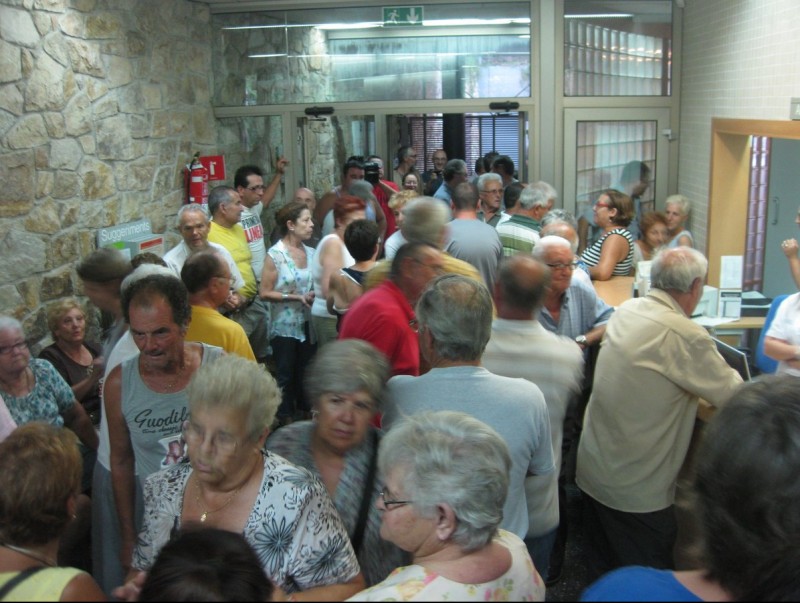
{"points": [[374, 402]]}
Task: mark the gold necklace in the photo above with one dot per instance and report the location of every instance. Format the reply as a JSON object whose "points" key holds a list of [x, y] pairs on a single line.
{"points": [[204, 515], [31, 554], [170, 386]]}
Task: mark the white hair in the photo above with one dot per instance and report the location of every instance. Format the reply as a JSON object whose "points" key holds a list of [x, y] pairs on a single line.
{"points": [[549, 242], [675, 269], [143, 271], [488, 177]]}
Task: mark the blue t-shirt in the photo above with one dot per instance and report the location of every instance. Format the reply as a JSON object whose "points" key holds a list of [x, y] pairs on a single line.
{"points": [[636, 583]]}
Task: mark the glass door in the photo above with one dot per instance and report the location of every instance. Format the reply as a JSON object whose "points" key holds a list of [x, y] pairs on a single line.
{"points": [[605, 148]]}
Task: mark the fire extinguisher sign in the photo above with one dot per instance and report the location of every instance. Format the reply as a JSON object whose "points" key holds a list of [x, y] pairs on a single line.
{"points": [[215, 164]]}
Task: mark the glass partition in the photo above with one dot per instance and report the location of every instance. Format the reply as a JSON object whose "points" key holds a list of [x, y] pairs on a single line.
{"points": [[479, 50], [617, 48]]}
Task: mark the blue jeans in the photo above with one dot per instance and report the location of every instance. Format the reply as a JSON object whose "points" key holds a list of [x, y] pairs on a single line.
{"points": [[539, 549]]}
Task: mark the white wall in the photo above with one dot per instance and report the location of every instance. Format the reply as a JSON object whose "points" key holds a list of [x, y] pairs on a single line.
{"points": [[741, 59]]}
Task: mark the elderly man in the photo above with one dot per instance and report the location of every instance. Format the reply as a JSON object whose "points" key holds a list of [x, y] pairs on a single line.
{"points": [[194, 226], [521, 347], [455, 172], [471, 240], [207, 279], [490, 191], [425, 221], [225, 207], [654, 365], [384, 316], [454, 317], [432, 179], [521, 231]]}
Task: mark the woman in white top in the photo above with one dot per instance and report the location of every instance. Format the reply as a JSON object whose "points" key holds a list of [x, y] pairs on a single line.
{"points": [[676, 209], [330, 257], [783, 337]]}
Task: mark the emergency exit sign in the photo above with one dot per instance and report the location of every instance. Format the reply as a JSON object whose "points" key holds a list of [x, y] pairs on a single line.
{"points": [[402, 16]]}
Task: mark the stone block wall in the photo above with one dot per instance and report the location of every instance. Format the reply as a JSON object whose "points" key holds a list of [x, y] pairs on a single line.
{"points": [[102, 102]]}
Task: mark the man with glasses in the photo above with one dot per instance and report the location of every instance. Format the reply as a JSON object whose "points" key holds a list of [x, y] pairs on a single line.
{"points": [[490, 190], [432, 179], [194, 225], [384, 316], [249, 183], [208, 279]]}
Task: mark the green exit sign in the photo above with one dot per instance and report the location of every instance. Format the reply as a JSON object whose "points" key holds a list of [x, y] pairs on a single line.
{"points": [[402, 16]]}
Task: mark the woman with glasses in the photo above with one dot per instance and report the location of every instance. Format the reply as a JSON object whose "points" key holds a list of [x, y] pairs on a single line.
{"points": [[612, 254], [145, 396], [445, 478], [34, 391], [345, 384], [230, 483]]}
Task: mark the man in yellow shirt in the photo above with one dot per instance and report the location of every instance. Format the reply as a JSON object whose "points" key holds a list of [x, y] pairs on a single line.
{"points": [[225, 207], [208, 278]]}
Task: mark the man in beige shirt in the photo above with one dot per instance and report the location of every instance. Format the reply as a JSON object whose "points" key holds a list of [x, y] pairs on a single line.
{"points": [[653, 366]]}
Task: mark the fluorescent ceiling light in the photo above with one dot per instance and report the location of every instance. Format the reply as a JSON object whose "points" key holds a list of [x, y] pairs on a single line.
{"points": [[601, 16], [372, 24]]}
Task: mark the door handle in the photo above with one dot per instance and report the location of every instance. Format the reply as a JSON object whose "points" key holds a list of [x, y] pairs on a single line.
{"points": [[776, 203]]}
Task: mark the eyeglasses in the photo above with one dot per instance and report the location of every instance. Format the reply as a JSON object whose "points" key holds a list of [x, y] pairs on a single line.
{"points": [[414, 324], [393, 504], [227, 279], [14, 347], [223, 443], [493, 191], [599, 204], [256, 187], [560, 266]]}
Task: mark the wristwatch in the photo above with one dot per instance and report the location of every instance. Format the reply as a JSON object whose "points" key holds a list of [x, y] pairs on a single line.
{"points": [[581, 340]]}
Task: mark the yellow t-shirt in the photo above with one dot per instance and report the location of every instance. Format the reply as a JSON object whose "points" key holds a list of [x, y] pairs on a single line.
{"points": [[45, 585], [234, 240], [211, 327]]}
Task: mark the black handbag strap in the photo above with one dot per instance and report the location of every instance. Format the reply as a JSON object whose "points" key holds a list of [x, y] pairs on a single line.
{"points": [[20, 577], [366, 499]]}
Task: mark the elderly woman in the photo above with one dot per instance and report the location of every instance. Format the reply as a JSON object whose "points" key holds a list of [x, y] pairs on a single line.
{"points": [[40, 478], [653, 225], [145, 397], [445, 483], [676, 210], [230, 483], [612, 254], [330, 257], [78, 361], [34, 391], [345, 384], [287, 284]]}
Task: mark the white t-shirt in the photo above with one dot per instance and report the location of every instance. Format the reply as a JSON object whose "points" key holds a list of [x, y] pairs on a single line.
{"points": [[786, 326]]}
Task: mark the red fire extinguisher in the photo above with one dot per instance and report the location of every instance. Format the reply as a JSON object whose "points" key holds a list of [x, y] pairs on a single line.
{"points": [[197, 181]]}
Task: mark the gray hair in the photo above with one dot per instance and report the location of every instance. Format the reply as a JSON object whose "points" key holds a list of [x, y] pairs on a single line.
{"points": [[190, 208], [533, 196], [675, 269], [452, 168], [457, 311], [346, 366], [362, 189], [548, 189], [424, 222], [546, 243], [233, 383], [681, 202], [9, 323], [558, 214], [451, 458], [220, 195], [488, 177], [143, 271], [563, 230]]}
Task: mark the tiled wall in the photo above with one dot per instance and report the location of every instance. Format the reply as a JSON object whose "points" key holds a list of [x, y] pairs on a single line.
{"points": [[741, 59]]}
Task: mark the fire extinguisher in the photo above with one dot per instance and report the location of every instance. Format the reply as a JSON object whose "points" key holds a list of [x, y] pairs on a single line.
{"points": [[196, 181]]}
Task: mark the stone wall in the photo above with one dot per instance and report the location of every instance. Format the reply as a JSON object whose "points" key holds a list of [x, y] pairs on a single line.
{"points": [[101, 104]]}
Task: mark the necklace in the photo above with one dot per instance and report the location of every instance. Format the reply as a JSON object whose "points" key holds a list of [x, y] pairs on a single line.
{"points": [[31, 554], [198, 498], [171, 386]]}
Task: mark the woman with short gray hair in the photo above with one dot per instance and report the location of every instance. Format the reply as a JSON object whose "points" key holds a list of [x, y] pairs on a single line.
{"points": [[445, 483], [345, 384]]}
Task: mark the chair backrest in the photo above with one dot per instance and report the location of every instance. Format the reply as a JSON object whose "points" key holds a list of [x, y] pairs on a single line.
{"points": [[764, 363]]}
